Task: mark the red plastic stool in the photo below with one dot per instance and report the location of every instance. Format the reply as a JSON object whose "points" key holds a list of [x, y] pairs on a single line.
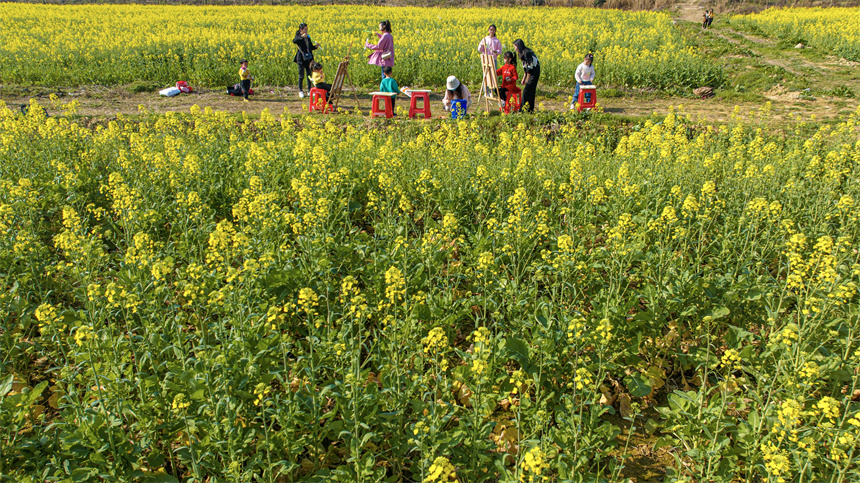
{"points": [[513, 96], [387, 110], [317, 101], [425, 106], [587, 98]]}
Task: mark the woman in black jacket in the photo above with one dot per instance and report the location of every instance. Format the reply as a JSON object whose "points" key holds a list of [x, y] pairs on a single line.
{"points": [[531, 67], [305, 55]]}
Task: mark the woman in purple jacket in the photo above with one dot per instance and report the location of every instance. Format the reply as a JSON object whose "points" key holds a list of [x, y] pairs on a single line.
{"points": [[383, 52]]}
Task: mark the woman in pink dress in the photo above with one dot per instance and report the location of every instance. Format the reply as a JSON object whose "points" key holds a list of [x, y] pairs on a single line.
{"points": [[383, 51]]}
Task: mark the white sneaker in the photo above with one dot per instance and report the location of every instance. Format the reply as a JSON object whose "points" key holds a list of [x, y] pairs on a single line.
{"points": [[302, 94]]}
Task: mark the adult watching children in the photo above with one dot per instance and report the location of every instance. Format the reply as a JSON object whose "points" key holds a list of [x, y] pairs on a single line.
{"points": [[491, 46], [383, 51], [531, 68], [304, 55], [584, 76]]}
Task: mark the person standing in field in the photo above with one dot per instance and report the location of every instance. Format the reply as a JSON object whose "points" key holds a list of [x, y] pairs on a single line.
{"points": [[491, 46], [245, 78], [304, 55], [707, 18], [531, 69], [383, 51], [584, 76]]}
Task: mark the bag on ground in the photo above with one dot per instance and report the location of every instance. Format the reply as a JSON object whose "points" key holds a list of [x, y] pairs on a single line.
{"points": [[170, 91]]}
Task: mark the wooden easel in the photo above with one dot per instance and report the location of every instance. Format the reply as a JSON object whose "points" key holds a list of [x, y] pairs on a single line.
{"points": [[337, 85], [489, 81]]}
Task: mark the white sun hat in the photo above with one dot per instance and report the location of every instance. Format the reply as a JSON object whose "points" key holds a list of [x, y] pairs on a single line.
{"points": [[453, 83]]}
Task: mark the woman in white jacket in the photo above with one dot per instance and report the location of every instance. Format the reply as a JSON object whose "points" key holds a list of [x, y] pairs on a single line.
{"points": [[584, 77]]}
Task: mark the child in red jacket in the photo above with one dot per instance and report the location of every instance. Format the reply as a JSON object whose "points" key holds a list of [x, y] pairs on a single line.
{"points": [[509, 76]]}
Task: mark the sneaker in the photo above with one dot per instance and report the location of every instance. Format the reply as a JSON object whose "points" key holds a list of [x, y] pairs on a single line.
{"points": [[302, 94], [245, 99]]}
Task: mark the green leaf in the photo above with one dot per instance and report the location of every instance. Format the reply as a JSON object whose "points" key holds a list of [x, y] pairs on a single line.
{"points": [[6, 386], [517, 350], [637, 385], [36, 393], [83, 474], [159, 478], [719, 313]]}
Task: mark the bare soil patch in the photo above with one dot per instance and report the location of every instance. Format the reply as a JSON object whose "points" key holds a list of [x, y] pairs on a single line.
{"points": [[96, 101]]}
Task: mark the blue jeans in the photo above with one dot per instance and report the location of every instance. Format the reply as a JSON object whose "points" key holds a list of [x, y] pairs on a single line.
{"points": [[576, 92]]}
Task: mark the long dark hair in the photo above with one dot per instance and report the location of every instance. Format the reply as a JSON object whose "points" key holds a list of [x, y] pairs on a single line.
{"points": [[458, 91], [301, 26], [525, 53], [510, 55], [386, 26]]}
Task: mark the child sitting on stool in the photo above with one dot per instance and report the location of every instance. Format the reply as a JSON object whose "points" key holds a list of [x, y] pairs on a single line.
{"points": [[388, 84], [318, 79], [509, 77]]}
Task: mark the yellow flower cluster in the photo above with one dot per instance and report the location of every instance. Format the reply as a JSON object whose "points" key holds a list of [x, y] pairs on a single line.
{"points": [[583, 379], [436, 341], [308, 301], [603, 331], [788, 335], [534, 466], [521, 381], [395, 286], [351, 296], [481, 339], [180, 401], [261, 393], [731, 360], [441, 471], [776, 462], [49, 318], [83, 334]]}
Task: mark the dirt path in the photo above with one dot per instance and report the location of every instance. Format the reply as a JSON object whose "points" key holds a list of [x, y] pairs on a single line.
{"points": [[107, 103], [690, 11]]}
